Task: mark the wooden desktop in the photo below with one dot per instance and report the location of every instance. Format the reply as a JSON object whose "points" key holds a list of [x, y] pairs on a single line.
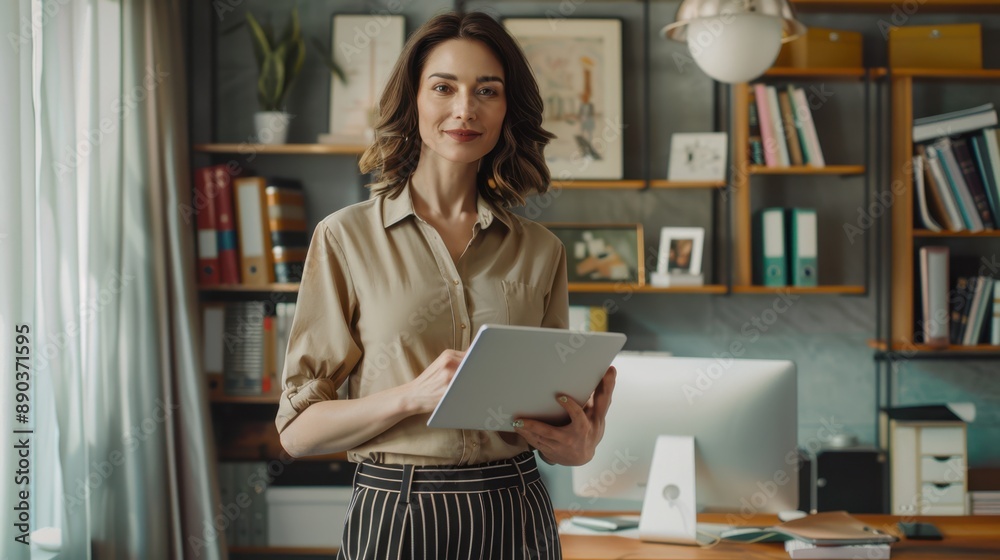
{"points": [[964, 537]]}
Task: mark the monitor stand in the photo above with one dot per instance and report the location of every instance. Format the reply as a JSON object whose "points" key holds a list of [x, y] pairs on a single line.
{"points": [[669, 513]]}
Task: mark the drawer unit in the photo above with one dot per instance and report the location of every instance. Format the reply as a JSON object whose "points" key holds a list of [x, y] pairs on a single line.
{"points": [[928, 468]]}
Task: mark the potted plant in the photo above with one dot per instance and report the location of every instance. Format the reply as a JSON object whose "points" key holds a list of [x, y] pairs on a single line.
{"points": [[279, 62]]}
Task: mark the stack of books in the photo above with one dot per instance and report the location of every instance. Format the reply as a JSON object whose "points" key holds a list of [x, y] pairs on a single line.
{"points": [[833, 534], [782, 131], [956, 170], [961, 311], [251, 230], [985, 502]]}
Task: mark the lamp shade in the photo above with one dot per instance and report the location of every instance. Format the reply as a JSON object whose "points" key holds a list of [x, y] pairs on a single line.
{"points": [[734, 40], [737, 51]]}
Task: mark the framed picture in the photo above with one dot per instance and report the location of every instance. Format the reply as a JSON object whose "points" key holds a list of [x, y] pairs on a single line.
{"points": [[680, 250], [578, 65], [602, 253], [698, 156], [366, 48]]}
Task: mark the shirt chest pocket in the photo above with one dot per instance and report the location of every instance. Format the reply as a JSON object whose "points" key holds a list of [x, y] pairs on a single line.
{"points": [[525, 303]]}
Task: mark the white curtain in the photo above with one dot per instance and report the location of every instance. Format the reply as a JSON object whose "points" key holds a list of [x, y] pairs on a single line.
{"points": [[97, 262]]}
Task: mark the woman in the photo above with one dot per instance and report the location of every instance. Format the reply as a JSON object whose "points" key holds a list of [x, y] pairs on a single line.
{"points": [[395, 287]]}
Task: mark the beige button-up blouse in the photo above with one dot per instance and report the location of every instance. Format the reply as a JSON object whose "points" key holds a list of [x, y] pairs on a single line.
{"points": [[381, 298]]}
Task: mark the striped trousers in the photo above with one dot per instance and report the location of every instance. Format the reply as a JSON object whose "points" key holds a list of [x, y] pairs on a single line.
{"points": [[496, 510]]}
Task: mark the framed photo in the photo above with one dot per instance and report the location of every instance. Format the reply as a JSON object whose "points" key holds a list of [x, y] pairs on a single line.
{"points": [[680, 250], [698, 156], [366, 48], [602, 253], [578, 65]]}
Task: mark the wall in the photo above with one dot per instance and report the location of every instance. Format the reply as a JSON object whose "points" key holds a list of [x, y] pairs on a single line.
{"points": [[825, 335]]}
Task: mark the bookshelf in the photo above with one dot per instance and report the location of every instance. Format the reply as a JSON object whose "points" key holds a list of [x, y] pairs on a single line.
{"points": [[905, 237], [744, 172], [281, 149]]}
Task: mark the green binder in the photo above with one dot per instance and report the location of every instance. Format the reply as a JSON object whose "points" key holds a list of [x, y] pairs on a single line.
{"points": [[802, 246]]}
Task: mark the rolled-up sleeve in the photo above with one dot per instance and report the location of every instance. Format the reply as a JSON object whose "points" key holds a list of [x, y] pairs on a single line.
{"points": [[322, 344], [557, 302]]}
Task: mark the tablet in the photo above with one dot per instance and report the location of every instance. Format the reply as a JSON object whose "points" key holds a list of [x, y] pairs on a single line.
{"points": [[513, 372]]}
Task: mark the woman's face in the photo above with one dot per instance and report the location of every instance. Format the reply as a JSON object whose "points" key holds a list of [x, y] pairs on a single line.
{"points": [[461, 101]]}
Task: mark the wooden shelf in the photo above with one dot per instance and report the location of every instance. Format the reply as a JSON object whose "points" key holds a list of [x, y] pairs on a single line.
{"points": [[842, 6], [614, 288], [288, 550], [270, 398], [808, 170], [942, 73], [290, 287], [816, 73], [929, 233], [822, 290], [635, 184], [902, 346], [662, 184], [281, 149]]}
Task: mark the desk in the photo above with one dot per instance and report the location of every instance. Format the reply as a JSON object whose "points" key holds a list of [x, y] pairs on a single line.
{"points": [[964, 537]]}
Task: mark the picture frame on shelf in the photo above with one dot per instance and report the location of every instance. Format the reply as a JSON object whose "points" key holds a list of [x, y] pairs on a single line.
{"points": [[698, 156], [602, 253], [578, 65], [366, 48], [680, 251]]}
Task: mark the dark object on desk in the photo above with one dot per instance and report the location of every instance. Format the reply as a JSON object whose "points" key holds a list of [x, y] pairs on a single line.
{"points": [[849, 480], [920, 531]]}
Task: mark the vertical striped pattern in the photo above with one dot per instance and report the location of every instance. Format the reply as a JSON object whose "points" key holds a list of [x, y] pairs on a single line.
{"points": [[506, 523]]}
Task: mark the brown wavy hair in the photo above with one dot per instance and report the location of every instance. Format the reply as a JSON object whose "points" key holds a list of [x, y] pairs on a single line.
{"points": [[514, 168]]}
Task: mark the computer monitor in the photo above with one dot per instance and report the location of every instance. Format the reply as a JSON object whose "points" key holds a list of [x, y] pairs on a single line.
{"points": [[742, 415]]}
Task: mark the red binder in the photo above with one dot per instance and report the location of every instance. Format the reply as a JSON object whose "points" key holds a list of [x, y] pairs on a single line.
{"points": [[225, 223], [204, 204]]}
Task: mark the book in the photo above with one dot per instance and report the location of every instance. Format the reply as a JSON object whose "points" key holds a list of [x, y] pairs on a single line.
{"points": [[935, 201], [244, 368], [991, 139], [973, 181], [778, 127], [958, 307], [286, 219], [971, 332], [955, 122], [800, 130], [803, 112], [953, 172], [921, 193], [940, 184], [981, 154], [995, 327], [976, 326], [588, 318], [934, 295], [756, 147], [225, 223], [205, 193], [788, 120], [800, 549], [766, 126]]}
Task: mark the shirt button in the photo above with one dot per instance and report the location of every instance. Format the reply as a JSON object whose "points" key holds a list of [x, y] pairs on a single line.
{"points": [[463, 325], [455, 281]]}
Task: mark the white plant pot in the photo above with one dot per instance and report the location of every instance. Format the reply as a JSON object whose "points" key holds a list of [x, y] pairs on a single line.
{"points": [[271, 126]]}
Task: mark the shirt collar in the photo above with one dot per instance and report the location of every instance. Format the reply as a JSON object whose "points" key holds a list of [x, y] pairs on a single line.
{"points": [[395, 209]]}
